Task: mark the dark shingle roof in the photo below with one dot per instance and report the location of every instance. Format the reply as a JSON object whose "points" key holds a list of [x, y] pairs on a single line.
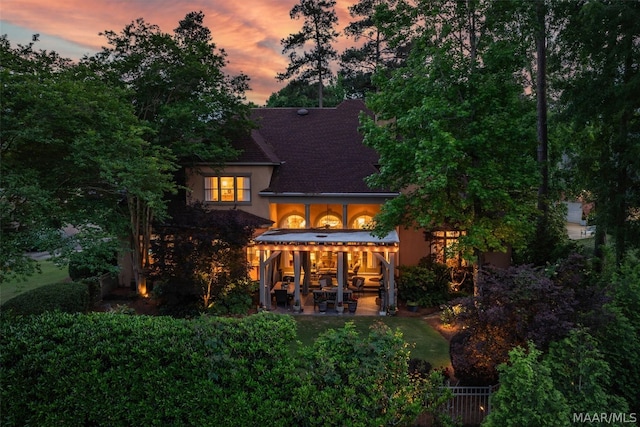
{"points": [[254, 150], [319, 152]]}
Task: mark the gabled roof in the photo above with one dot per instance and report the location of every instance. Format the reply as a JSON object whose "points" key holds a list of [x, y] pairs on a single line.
{"points": [[318, 150]]}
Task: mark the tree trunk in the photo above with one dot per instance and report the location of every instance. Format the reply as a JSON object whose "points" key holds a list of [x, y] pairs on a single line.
{"points": [[140, 217], [541, 95]]}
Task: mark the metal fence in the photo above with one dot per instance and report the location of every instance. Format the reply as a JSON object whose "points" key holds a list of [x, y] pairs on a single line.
{"points": [[469, 405]]}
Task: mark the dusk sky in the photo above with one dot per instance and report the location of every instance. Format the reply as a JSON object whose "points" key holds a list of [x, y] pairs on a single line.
{"points": [[248, 30]]}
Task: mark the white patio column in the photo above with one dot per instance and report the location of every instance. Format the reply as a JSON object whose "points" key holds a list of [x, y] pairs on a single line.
{"points": [[392, 280], [388, 278], [306, 268], [265, 278], [340, 275], [262, 273], [296, 275]]}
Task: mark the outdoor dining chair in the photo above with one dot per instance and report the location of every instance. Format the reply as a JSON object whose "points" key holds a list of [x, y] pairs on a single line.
{"points": [[358, 285], [282, 297]]}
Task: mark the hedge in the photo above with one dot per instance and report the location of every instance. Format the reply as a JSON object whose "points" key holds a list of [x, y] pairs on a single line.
{"points": [[105, 369], [117, 370], [73, 297]]}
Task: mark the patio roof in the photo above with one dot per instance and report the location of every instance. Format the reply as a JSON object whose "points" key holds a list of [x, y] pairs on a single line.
{"points": [[327, 240]]}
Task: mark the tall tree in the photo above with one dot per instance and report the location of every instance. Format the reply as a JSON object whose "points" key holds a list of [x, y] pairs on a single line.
{"points": [[456, 135], [378, 23], [312, 65], [599, 61], [527, 28], [176, 84], [90, 152]]}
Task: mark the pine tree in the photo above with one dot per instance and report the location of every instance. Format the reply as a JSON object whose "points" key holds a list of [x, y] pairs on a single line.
{"points": [[312, 65]]}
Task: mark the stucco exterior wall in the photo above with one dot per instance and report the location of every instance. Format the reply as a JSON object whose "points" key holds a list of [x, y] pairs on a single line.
{"points": [[413, 246]]}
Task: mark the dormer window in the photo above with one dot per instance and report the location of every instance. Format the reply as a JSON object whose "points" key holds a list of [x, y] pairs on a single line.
{"points": [[227, 189]]}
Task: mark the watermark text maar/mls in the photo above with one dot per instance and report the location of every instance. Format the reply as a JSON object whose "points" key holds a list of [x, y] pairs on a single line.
{"points": [[605, 417]]}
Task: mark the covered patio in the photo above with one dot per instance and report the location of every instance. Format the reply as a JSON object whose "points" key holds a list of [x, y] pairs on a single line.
{"points": [[306, 277]]}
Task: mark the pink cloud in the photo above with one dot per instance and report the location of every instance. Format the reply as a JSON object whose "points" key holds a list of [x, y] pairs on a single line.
{"points": [[249, 31]]}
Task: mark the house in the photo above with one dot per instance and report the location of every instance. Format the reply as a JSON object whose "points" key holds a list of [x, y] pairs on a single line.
{"points": [[305, 171]]}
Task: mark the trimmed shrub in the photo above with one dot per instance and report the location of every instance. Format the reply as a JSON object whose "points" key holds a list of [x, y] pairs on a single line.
{"points": [[106, 369], [118, 370], [236, 298], [74, 297], [358, 380], [428, 285]]}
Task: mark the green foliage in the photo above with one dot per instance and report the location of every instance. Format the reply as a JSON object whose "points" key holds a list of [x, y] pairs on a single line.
{"points": [[236, 298], [428, 285], [456, 135], [378, 26], [449, 314], [426, 343], [74, 297], [581, 374], [52, 109], [619, 338], [597, 74], [299, 93], [619, 341], [92, 154], [549, 242], [117, 370], [93, 261], [109, 369], [527, 396], [626, 287], [177, 85], [358, 381]]}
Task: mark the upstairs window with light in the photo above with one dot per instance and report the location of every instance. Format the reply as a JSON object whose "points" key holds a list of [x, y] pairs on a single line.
{"points": [[227, 189]]}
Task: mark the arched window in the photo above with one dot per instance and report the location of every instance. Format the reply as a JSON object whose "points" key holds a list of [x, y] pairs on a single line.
{"points": [[362, 222], [293, 221], [329, 221]]}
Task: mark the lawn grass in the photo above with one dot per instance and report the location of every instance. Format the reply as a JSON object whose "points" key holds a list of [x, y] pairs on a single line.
{"points": [[429, 344], [51, 273]]}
